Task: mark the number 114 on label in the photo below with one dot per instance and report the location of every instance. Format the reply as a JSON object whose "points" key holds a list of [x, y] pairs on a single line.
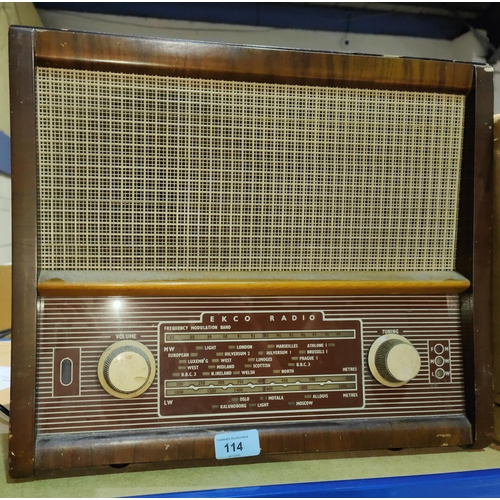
{"points": [[237, 444]]}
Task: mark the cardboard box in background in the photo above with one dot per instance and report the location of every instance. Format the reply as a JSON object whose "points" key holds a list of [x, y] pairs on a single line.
{"points": [[5, 297], [5, 322], [4, 363]]}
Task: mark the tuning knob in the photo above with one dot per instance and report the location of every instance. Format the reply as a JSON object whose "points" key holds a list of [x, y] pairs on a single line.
{"points": [[393, 360], [126, 369]]}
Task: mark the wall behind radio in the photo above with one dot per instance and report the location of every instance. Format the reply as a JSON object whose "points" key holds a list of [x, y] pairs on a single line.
{"points": [[19, 14]]}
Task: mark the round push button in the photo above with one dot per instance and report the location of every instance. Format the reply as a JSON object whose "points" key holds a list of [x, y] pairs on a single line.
{"points": [[439, 361], [439, 348]]}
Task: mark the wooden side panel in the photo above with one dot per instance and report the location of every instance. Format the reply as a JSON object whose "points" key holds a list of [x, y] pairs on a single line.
{"points": [[482, 275], [474, 255], [496, 273], [224, 61], [24, 268]]}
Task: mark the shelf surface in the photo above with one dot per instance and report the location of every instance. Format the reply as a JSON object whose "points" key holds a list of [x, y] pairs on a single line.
{"points": [[344, 469]]}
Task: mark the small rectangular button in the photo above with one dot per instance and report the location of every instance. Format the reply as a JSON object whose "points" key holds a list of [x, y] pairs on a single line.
{"points": [[66, 371]]}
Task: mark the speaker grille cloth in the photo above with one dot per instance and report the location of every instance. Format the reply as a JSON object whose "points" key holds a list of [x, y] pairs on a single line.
{"points": [[140, 172]]}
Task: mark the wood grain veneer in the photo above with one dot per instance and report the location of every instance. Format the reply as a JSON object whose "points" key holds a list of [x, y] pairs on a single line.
{"points": [[250, 287], [24, 259], [93, 51]]}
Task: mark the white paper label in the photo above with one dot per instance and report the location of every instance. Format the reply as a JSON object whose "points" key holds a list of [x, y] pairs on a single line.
{"points": [[237, 444]]}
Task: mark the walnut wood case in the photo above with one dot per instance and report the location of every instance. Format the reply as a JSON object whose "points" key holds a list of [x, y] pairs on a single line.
{"points": [[50, 302]]}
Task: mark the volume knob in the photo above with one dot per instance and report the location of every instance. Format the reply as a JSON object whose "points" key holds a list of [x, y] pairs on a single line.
{"points": [[126, 369], [393, 360]]}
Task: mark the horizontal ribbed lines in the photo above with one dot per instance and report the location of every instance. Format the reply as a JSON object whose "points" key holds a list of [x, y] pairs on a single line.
{"points": [[93, 324]]}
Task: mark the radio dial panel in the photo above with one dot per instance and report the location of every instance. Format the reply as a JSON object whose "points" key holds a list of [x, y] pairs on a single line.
{"points": [[250, 362], [245, 361]]}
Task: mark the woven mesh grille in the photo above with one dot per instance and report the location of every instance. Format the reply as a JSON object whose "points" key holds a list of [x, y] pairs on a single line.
{"points": [[139, 172]]}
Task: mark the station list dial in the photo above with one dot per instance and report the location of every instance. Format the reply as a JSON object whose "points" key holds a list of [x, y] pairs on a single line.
{"points": [[255, 362]]}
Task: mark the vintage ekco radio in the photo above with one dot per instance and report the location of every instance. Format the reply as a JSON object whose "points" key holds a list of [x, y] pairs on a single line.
{"points": [[227, 251]]}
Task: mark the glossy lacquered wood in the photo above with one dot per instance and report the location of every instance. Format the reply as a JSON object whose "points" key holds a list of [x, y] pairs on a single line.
{"points": [[250, 288], [474, 254], [66, 49], [63, 452], [496, 271], [24, 259]]}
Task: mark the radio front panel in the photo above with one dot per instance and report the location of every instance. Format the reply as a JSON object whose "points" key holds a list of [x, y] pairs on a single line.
{"points": [[243, 361], [211, 238]]}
